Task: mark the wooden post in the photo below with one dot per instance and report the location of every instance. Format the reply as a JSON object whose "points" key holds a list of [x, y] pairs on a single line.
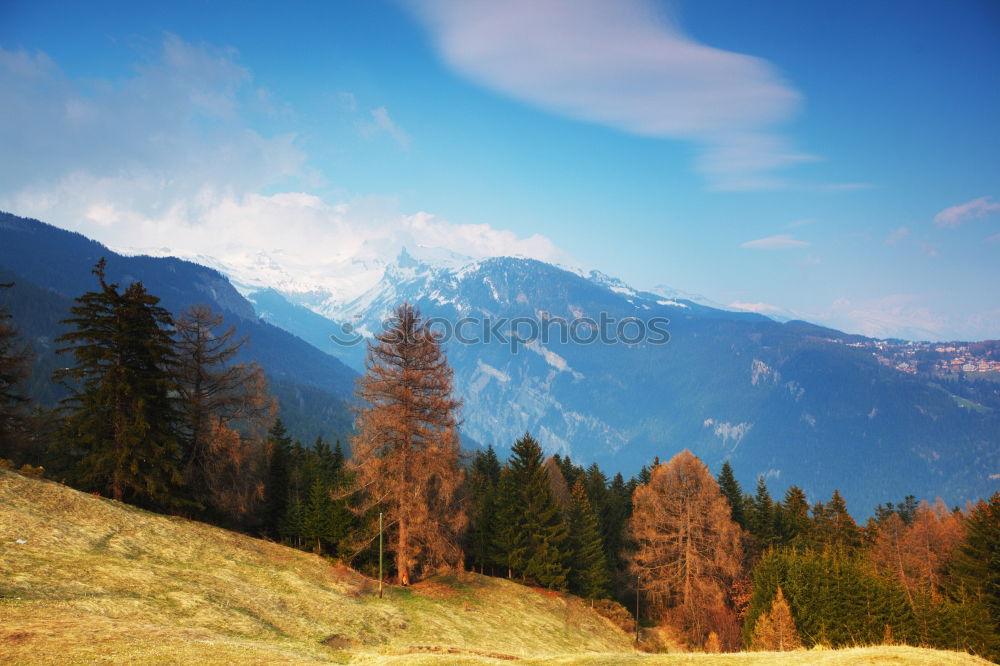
{"points": [[380, 555], [637, 610]]}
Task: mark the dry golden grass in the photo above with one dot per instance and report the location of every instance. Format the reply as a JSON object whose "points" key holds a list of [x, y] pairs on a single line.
{"points": [[96, 581]]}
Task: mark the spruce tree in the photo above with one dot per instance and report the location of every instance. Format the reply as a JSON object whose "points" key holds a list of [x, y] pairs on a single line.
{"points": [[122, 422], [976, 567], [484, 481], [731, 490], [762, 515], [277, 489], [794, 525], [15, 365], [317, 517], [588, 576], [531, 535], [842, 532]]}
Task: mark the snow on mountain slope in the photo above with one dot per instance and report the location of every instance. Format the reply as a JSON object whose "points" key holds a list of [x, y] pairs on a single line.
{"points": [[622, 403]]}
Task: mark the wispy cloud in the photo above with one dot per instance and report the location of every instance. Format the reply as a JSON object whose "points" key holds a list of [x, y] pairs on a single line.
{"points": [[795, 224], [625, 65], [759, 308], [778, 242], [896, 235], [970, 210], [839, 187], [381, 121], [898, 315]]}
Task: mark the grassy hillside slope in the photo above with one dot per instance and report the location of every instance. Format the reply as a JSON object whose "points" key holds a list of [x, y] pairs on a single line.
{"points": [[86, 579], [95, 577]]}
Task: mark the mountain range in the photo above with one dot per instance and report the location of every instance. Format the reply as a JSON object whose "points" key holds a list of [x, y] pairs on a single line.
{"points": [[787, 400]]}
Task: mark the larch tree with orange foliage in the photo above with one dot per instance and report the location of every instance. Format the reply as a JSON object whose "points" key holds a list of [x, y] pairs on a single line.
{"points": [[918, 554], [406, 450], [688, 549], [775, 631]]}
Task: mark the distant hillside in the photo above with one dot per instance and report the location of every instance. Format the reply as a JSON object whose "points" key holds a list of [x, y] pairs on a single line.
{"points": [[84, 579], [51, 267]]}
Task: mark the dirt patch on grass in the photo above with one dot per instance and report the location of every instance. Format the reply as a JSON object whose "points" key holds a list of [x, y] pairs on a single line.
{"points": [[338, 642], [15, 637], [433, 589], [435, 649]]}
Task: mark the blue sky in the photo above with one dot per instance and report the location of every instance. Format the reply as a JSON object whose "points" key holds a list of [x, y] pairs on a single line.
{"points": [[840, 161]]}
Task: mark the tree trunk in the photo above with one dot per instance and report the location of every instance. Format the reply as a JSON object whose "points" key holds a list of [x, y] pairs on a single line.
{"points": [[402, 548]]}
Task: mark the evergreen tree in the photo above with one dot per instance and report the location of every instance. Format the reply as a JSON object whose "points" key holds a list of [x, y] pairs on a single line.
{"points": [[317, 517], [337, 458], [588, 576], [731, 490], [122, 423], [570, 472], [794, 525], [610, 526], [619, 508], [762, 515], [276, 491], [841, 531], [531, 535], [484, 481], [293, 524], [15, 366], [976, 566]]}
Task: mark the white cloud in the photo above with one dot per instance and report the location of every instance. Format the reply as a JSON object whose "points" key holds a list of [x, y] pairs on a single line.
{"points": [[896, 235], [382, 122], [759, 308], [624, 65], [970, 210], [897, 315], [172, 125], [165, 158], [995, 238], [779, 242]]}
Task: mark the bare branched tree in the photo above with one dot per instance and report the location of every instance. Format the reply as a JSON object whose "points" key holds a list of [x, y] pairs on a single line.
{"points": [[219, 399]]}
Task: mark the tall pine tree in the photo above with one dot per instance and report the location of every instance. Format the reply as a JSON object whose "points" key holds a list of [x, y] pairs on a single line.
{"points": [[976, 567], [531, 535], [731, 490], [15, 359], [484, 482], [762, 515], [588, 576], [122, 423]]}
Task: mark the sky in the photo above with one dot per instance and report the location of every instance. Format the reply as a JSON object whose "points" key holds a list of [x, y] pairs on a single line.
{"points": [[834, 161]]}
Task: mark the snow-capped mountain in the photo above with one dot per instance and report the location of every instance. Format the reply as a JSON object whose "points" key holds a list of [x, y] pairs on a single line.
{"points": [[789, 400]]}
